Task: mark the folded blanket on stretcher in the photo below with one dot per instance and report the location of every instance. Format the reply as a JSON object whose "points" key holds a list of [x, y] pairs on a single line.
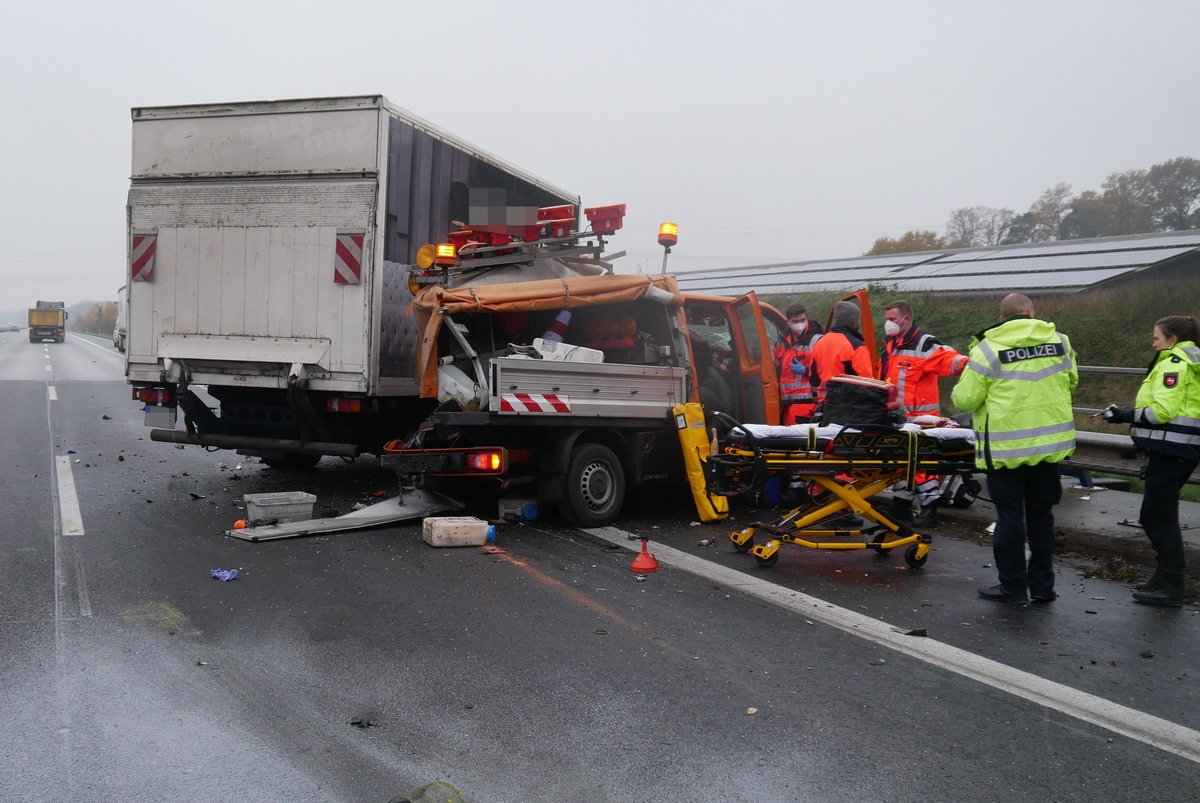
{"points": [[800, 432]]}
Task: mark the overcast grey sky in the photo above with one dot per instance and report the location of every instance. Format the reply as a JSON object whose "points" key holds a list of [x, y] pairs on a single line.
{"points": [[769, 131]]}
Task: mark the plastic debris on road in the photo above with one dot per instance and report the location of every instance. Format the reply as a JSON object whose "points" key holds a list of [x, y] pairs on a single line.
{"points": [[224, 575]]}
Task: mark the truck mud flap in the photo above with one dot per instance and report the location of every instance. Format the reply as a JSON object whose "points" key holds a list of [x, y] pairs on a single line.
{"points": [[414, 504]]}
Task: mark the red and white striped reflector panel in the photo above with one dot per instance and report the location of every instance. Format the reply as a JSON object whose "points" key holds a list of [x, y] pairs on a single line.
{"points": [[141, 258], [534, 403], [347, 262]]}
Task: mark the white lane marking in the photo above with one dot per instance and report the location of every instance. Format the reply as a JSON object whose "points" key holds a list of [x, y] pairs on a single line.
{"points": [[81, 586], [53, 392], [68, 502], [106, 349], [48, 368], [1143, 727]]}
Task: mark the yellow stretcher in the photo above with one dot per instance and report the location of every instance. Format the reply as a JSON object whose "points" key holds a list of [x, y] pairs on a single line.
{"points": [[840, 468]]}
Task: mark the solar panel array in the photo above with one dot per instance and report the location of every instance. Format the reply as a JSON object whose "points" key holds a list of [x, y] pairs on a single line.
{"points": [[1056, 267]]}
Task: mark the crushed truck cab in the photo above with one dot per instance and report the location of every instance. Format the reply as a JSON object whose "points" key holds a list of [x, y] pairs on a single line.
{"points": [[586, 411]]}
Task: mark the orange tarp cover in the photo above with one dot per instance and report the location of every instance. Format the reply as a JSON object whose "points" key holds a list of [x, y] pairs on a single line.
{"points": [[434, 303]]}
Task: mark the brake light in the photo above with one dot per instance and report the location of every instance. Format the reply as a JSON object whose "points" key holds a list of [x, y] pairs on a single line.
{"points": [[159, 396], [487, 462], [344, 405]]}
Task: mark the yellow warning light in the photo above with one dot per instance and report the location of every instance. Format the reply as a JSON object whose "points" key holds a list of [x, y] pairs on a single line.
{"points": [[447, 254], [425, 255], [668, 235]]}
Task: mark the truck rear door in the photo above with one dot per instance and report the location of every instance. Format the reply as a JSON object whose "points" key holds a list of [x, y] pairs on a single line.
{"points": [[741, 338]]}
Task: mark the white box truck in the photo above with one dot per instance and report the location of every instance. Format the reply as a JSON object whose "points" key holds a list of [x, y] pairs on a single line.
{"points": [[268, 253]]}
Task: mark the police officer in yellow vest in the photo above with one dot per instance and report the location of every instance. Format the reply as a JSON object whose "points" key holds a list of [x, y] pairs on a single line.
{"points": [[1017, 385], [1166, 423]]}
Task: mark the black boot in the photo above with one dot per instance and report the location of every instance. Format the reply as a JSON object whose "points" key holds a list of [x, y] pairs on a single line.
{"points": [[926, 517], [1153, 583], [1167, 595], [901, 509]]}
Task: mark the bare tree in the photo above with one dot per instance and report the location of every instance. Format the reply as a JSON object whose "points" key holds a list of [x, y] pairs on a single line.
{"points": [[1047, 213], [974, 226]]}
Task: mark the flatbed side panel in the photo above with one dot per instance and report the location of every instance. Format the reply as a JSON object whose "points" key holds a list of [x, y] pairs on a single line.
{"points": [[589, 390]]}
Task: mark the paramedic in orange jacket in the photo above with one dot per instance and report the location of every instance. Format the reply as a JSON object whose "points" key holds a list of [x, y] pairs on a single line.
{"points": [[912, 360], [841, 350], [793, 363]]}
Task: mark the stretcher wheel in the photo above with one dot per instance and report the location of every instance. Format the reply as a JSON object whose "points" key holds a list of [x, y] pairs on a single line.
{"points": [[877, 541], [743, 547], [910, 557], [768, 562]]}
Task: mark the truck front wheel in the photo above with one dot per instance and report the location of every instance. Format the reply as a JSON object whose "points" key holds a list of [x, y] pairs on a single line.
{"points": [[595, 487]]}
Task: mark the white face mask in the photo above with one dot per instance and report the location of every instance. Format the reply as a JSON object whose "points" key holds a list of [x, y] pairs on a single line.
{"points": [[891, 328], [799, 328]]}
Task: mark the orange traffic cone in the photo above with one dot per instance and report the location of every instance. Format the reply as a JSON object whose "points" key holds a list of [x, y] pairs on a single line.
{"points": [[644, 563]]}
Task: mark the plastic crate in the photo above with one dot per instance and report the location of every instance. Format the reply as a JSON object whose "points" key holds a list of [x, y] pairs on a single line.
{"points": [[283, 506], [456, 531]]}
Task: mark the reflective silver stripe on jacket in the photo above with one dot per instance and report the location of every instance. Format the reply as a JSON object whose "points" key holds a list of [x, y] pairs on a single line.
{"points": [[1031, 451], [1182, 430], [1032, 432]]}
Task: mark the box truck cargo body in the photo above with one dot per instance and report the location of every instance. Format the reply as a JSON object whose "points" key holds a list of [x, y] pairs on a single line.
{"points": [[269, 252]]}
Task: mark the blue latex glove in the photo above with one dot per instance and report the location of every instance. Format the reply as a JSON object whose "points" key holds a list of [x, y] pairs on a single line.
{"points": [[224, 574], [798, 368]]}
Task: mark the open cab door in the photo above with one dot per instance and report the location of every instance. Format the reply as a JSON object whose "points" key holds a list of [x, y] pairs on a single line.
{"points": [[732, 348], [859, 298]]}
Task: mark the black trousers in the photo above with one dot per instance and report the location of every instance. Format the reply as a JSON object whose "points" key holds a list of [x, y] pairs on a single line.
{"points": [[1165, 477], [1025, 497]]}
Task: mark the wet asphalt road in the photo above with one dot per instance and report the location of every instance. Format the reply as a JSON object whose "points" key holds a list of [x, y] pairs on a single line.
{"points": [[360, 665]]}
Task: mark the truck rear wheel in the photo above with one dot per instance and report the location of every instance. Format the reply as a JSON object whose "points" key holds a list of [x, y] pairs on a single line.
{"points": [[595, 487]]}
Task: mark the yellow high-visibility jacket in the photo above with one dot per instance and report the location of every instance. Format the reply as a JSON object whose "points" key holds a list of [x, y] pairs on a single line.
{"points": [[1017, 385]]}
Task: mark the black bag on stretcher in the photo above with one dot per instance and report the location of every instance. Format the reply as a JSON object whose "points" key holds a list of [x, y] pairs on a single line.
{"points": [[861, 401]]}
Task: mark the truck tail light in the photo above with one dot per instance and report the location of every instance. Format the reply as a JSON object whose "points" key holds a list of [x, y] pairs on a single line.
{"points": [[487, 461], [157, 396], [344, 405]]}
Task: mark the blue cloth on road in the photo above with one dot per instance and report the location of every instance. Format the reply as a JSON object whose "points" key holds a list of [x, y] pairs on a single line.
{"points": [[224, 575]]}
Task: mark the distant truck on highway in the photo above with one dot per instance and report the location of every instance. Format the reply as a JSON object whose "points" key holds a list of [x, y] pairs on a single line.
{"points": [[48, 321]]}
